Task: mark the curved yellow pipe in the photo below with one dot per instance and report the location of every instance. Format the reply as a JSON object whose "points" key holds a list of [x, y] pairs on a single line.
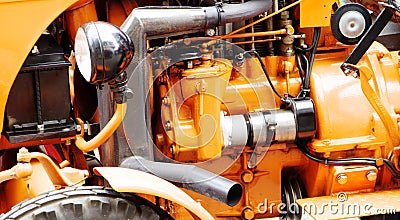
{"points": [[105, 133]]}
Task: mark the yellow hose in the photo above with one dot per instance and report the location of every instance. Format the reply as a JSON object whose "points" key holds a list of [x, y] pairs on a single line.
{"points": [[105, 133]]}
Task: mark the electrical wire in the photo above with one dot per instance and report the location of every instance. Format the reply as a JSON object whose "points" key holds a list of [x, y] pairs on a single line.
{"points": [[304, 91], [299, 66], [317, 34], [392, 168], [313, 44], [307, 66], [300, 56], [350, 161], [265, 72]]}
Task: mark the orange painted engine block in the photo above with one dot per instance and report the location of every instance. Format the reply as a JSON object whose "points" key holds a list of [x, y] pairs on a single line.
{"points": [[200, 105]]}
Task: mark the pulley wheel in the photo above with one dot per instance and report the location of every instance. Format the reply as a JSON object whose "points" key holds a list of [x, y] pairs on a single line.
{"points": [[291, 191], [350, 22]]}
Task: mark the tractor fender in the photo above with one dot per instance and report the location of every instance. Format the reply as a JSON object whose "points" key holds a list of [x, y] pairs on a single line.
{"points": [[134, 181]]}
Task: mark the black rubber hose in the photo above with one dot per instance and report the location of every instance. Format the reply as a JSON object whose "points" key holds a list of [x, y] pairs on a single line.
{"points": [[192, 178]]}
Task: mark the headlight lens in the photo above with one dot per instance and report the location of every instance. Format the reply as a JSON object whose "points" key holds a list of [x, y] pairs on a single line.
{"points": [[103, 51], [82, 54]]}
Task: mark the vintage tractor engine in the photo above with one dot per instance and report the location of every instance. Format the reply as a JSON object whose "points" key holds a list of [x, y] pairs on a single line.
{"points": [[237, 109]]}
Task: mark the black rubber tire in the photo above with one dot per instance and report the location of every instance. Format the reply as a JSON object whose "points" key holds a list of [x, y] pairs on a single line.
{"points": [[86, 202]]}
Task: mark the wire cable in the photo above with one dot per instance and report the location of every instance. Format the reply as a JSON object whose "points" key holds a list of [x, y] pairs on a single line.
{"points": [[299, 66], [350, 161], [265, 72], [304, 91], [317, 34], [302, 71]]}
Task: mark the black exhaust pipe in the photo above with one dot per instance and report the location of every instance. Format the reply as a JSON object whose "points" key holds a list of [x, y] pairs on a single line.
{"points": [[190, 177]]}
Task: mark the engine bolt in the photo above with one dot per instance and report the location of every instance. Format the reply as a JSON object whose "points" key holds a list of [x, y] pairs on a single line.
{"points": [[371, 175], [165, 100], [247, 176], [248, 213], [341, 179], [168, 126], [210, 32]]}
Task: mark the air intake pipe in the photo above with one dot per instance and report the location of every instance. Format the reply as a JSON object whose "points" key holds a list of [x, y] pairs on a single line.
{"points": [[192, 178], [157, 22]]}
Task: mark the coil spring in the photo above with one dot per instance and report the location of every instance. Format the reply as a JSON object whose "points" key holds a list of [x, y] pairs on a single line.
{"points": [[261, 48]]}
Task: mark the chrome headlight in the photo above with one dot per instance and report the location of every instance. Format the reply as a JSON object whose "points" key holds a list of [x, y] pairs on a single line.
{"points": [[102, 51]]}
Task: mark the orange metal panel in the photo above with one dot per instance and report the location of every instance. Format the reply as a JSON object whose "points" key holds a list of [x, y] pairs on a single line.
{"points": [[315, 13]]}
